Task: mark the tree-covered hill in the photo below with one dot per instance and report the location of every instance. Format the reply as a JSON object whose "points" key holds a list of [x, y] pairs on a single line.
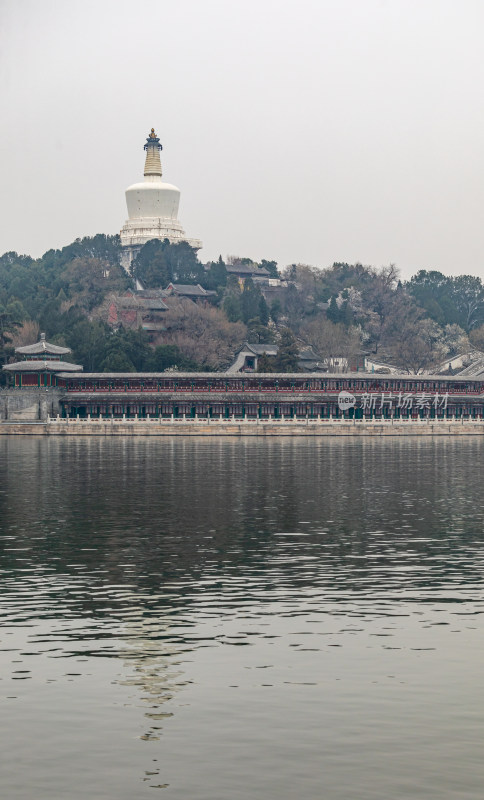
{"points": [[338, 311]]}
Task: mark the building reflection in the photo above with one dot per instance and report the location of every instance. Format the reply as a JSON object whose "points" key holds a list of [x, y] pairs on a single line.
{"points": [[151, 665]]}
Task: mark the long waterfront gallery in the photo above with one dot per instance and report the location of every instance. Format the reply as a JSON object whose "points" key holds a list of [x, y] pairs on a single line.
{"points": [[68, 391]]}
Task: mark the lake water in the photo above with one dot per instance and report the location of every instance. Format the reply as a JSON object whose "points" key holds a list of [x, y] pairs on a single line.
{"points": [[225, 618]]}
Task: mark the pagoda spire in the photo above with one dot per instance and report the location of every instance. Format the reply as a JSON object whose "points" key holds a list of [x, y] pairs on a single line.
{"points": [[152, 163]]}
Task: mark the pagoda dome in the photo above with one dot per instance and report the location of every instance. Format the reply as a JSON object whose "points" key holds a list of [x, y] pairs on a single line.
{"points": [[152, 199]]}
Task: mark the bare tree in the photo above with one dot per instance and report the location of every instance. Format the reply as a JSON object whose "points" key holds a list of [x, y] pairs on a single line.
{"points": [[456, 340], [202, 333], [477, 338], [27, 333], [88, 280], [382, 298], [420, 346], [330, 340]]}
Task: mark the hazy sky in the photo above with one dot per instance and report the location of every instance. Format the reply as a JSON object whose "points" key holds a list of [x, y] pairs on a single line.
{"points": [[311, 131]]}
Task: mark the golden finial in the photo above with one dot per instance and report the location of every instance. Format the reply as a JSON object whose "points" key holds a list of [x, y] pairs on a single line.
{"points": [[152, 141]]}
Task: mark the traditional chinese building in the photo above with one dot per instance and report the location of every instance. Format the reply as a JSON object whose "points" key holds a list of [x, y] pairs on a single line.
{"points": [[301, 396], [39, 363], [243, 271], [33, 394], [247, 359], [190, 291], [143, 309], [269, 396]]}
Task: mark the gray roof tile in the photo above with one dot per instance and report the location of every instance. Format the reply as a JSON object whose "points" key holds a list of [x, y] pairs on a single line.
{"points": [[42, 347], [39, 365]]}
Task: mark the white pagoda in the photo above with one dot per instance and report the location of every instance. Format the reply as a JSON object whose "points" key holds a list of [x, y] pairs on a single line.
{"points": [[152, 208]]}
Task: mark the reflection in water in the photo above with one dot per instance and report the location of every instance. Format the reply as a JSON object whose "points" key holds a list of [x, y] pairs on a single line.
{"points": [[228, 586], [151, 665]]}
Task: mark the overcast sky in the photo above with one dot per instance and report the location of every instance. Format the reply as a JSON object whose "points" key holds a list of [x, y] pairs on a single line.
{"points": [[311, 131]]}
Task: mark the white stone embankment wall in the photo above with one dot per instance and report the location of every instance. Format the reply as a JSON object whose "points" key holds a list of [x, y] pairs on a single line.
{"points": [[234, 428]]}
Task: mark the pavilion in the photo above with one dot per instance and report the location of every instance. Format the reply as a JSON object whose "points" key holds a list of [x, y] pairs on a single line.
{"points": [[38, 364]]}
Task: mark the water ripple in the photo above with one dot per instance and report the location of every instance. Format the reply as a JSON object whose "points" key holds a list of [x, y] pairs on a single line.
{"points": [[338, 585]]}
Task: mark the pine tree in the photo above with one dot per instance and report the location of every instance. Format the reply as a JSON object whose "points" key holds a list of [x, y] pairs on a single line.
{"points": [[263, 311], [333, 312], [250, 300], [287, 356], [266, 363], [276, 310]]}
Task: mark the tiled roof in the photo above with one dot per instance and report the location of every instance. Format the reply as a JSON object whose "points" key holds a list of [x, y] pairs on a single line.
{"points": [[259, 349], [42, 347], [147, 303], [308, 354], [155, 305], [42, 366], [246, 269], [368, 376], [191, 290]]}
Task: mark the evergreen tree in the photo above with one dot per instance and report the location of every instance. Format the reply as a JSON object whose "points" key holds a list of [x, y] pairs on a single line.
{"points": [[276, 310], [11, 317], [263, 310], [88, 341], [232, 304], [266, 363], [250, 299], [215, 277], [287, 356], [168, 355], [117, 361], [346, 313], [183, 263], [159, 263], [151, 266], [333, 312], [257, 333], [271, 267]]}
